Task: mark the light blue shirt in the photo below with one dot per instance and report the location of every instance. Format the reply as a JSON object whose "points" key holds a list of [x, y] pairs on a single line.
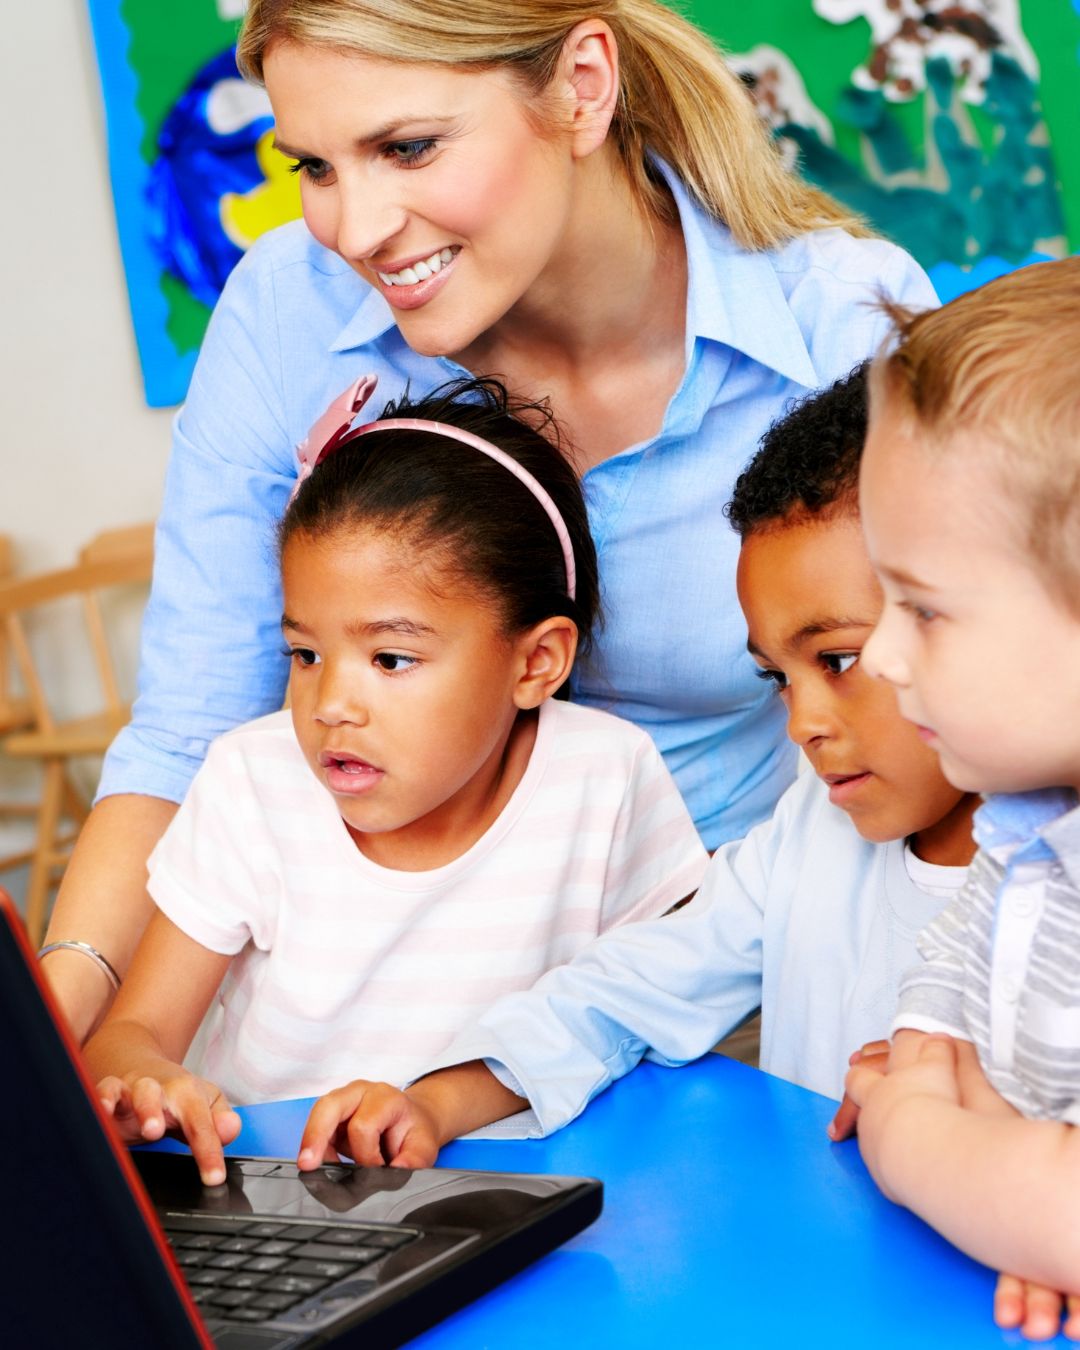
{"points": [[802, 917], [295, 325]]}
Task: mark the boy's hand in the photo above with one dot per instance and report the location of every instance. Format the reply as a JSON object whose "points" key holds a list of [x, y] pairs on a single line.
{"points": [[1035, 1309], [923, 1067], [874, 1054], [372, 1123], [145, 1108]]}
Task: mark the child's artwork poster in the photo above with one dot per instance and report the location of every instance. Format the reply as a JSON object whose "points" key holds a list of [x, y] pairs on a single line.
{"points": [[953, 127], [195, 178]]}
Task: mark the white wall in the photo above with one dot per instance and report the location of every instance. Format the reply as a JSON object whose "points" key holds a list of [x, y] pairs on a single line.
{"points": [[81, 451]]}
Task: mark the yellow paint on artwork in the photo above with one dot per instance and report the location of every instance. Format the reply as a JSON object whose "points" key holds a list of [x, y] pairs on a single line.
{"points": [[247, 215]]}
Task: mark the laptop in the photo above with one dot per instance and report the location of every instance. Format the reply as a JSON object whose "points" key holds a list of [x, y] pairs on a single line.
{"points": [[109, 1248]]}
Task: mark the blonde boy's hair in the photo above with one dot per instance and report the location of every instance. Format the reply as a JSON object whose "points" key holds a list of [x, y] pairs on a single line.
{"points": [[1003, 362], [677, 97]]}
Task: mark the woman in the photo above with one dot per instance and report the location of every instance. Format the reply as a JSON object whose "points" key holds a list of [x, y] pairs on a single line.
{"points": [[578, 198]]}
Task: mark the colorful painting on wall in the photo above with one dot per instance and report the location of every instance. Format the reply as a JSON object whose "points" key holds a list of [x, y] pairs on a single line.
{"points": [[950, 124], [195, 178]]}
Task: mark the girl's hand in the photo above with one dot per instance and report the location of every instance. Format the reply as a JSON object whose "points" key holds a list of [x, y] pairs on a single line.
{"points": [[144, 1108], [372, 1123], [1035, 1309]]}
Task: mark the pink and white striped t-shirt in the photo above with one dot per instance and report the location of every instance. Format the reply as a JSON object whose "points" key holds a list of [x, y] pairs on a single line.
{"points": [[345, 969]]}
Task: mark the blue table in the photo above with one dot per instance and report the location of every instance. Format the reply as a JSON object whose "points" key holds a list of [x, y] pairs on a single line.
{"points": [[729, 1220]]}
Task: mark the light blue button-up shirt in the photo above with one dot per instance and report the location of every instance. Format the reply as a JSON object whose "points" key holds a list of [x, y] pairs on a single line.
{"points": [[295, 325]]}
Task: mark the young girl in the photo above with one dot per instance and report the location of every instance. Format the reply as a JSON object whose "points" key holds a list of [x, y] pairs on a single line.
{"points": [[425, 829]]}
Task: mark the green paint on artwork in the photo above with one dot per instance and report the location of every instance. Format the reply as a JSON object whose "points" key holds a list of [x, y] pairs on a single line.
{"points": [[187, 318], [165, 54], [1053, 29]]}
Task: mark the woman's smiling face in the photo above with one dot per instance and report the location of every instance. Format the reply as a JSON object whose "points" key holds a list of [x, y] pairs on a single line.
{"points": [[437, 185]]}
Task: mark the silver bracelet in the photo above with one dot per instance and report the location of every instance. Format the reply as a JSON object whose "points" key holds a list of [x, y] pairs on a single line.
{"points": [[92, 952]]}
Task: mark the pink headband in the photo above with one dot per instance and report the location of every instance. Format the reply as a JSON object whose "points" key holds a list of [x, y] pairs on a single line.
{"points": [[334, 429]]}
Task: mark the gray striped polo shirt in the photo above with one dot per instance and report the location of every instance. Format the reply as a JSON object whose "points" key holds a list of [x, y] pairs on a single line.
{"points": [[1001, 964]]}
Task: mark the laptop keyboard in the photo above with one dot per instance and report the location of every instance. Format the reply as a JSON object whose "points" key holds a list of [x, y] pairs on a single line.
{"points": [[252, 1270]]}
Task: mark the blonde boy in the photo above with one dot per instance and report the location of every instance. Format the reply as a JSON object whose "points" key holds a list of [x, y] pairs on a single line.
{"points": [[970, 500]]}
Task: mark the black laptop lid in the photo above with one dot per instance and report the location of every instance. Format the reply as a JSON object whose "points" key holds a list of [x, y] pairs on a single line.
{"points": [[81, 1265]]}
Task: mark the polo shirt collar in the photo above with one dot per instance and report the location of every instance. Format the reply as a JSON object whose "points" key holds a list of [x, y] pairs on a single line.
{"points": [[733, 297], [1030, 826]]}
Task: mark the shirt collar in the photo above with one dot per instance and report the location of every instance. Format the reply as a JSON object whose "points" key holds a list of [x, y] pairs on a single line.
{"points": [[1031, 826], [733, 297]]}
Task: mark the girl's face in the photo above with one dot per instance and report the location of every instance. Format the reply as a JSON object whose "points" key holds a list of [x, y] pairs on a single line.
{"points": [[431, 182], [402, 693]]}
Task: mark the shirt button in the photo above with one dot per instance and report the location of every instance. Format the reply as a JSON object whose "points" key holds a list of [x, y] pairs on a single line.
{"points": [[1010, 988], [1057, 871]]}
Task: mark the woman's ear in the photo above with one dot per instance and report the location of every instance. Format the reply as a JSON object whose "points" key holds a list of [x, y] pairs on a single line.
{"points": [[546, 654], [588, 79]]}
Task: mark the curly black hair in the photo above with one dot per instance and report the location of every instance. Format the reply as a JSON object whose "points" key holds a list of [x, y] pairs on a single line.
{"points": [[808, 460]]}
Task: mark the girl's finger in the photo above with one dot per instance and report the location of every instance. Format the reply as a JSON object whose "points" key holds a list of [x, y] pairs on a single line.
{"points": [[322, 1124], [148, 1105]]}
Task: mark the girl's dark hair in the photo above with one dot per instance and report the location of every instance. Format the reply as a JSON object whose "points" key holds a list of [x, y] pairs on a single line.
{"points": [[808, 461], [484, 525]]}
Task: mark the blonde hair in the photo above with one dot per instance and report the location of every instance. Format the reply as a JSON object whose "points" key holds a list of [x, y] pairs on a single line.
{"points": [[1003, 363], [677, 98]]}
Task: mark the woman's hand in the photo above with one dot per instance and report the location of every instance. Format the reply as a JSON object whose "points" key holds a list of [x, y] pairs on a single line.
{"points": [[145, 1107], [372, 1123]]}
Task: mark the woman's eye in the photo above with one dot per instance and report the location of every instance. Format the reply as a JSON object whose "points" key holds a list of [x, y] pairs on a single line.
{"points": [[409, 152], [315, 170], [304, 656], [393, 662], [838, 663], [776, 678]]}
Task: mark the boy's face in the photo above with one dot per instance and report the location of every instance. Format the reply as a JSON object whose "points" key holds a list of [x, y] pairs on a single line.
{"points": [[985, 660], [811, 601]]}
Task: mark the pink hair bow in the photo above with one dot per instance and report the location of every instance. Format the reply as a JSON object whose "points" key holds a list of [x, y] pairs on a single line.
{"points": [[332, 427]]}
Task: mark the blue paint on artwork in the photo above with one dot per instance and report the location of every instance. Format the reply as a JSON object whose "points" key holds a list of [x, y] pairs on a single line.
{"points": [[950, 281], [195, 166], [166, 372]]}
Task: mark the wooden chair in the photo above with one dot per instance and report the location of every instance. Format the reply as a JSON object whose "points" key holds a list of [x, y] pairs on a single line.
{"points": [[114, 559]]}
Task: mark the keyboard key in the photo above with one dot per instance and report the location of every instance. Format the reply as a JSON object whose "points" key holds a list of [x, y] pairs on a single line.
{"points": [[303, 1285], [243, 1279], [392, 1240], [265, 1230], [237, 1244], [266, 1263], [242, 1315], [203, 1223], [227, 1260], [187, 1259], [197, 1241], [205, 1276], [352, 1256], [324, 1270], [276, 1247], [275, 1303], [303, 1232], [231, 1298]]}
